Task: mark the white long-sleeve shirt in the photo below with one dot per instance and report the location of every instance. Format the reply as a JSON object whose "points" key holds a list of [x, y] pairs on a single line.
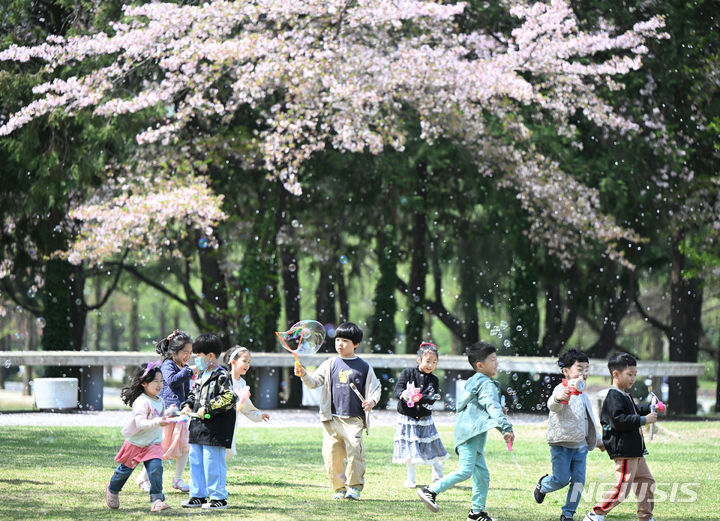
{"points": [[144, 426]]}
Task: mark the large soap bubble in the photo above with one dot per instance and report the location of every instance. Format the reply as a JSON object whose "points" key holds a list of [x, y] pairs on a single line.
{"points": [[304, 338]]}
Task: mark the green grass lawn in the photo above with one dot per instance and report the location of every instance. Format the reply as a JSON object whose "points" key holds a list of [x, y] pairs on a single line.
{"points": [[60, 473]]}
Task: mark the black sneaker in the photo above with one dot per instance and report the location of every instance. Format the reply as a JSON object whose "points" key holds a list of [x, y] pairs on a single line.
{"points": [[216, 504], [428, 497], [566, 518], [194, 502], [479, 516], [537, 491]]}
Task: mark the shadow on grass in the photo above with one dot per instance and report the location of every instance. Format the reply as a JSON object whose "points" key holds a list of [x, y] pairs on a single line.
{"points": [[260, 483], [24, 482]]}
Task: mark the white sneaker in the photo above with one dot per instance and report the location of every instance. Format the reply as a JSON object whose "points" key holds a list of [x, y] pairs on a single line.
{"points": [[409, 484], [592, 516], [352, 493], [144, 485]]}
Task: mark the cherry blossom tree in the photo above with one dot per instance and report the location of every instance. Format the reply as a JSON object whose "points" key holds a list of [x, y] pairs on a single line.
{"points": [[341, 74]]}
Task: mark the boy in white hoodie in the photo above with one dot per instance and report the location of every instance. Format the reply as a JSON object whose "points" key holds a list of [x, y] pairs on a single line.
{"points": [[571, 433]]}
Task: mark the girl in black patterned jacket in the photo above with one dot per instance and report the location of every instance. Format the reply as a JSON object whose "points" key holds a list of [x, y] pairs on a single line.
{"points": [[416, 439]]}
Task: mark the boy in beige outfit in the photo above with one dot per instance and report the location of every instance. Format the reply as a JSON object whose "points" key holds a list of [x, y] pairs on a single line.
{"points": [[571, 433], [343, 414]]}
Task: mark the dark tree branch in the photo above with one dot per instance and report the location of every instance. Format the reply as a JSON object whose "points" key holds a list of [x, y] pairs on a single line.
{"points": [[120, 266], [655, 322], [192, 298], [23, 303], [137, 274], [437, 309]]}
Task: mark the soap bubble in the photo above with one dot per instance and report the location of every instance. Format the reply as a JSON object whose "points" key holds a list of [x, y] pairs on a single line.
{"points": [[303, 338], [343, 259], [292, 268], [202, 243]]}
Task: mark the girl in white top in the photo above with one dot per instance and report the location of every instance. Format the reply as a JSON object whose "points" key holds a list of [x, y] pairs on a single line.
{"points": [[143, 435], [237, 360]]}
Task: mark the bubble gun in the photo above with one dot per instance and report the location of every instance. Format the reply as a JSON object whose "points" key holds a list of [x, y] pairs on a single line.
{"points": [[576, 386]]}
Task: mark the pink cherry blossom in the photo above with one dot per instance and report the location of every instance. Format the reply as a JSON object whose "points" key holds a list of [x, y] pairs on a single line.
{"points": [[332, 73]]}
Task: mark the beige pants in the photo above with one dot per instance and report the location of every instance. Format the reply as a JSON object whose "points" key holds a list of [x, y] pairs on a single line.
{"points": [[631, 474], [342, 440]]}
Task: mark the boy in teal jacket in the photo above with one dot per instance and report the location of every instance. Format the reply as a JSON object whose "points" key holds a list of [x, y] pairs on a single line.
{"points": [[478, 411]]}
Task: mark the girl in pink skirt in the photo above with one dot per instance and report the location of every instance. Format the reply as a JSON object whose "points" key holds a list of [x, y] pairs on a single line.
{"points": [[176, 351], [143, 435]]}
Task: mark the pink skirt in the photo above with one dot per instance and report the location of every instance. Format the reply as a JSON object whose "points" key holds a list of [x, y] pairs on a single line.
{"points": [[175, 440], [130, 455]]}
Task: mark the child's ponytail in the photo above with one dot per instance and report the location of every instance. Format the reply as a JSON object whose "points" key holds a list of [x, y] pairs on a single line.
{"points": [[174, 342]]}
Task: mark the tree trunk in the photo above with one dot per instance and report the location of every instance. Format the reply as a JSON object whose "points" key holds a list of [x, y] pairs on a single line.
{"points": [[382, 325], [291, 300], [717, 380], [325, 303], [560, 314], [685, 326], [214, 291], [162, 318], [58, 331], [342, 295], [418, 266], [98, 315], [78, 308], [134, 320], [616, 310], [468, 293], [524, 314]]}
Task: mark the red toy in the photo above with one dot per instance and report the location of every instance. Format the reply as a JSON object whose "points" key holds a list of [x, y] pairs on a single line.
{"points": [[576, 386]]}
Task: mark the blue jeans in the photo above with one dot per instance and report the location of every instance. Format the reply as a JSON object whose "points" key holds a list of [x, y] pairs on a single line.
{"points": [[155, 475], [568, 466], [208, 471], [471, 463]]}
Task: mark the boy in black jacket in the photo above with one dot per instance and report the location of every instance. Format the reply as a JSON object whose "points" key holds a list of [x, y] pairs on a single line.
{"points": [[621, 420], [213, 399]]}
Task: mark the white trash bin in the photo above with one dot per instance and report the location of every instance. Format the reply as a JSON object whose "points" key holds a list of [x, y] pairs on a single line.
{"points": [[55, 393]]}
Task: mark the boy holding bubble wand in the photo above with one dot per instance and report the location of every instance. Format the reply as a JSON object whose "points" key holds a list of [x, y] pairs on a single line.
{"points": [[342, 413]]}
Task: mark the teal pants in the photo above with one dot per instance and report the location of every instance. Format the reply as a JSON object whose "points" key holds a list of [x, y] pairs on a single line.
{"points": [[471, 464]]}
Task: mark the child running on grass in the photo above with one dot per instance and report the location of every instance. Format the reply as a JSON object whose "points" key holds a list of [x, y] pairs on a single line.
{"points": [[176, 350], [621, 420], [237, 359], [143, 435], [571, 433], [416, 439], [478, 411]]}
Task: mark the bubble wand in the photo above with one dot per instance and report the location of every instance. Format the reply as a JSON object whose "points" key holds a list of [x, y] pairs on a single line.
{"points": [[362, 400], [655, 403], [508, 443]]}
